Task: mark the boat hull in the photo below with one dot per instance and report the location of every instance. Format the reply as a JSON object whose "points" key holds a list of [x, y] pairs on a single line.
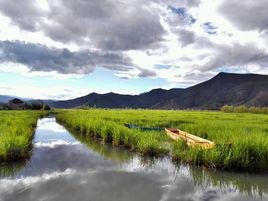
{"points": [[190, 139]]}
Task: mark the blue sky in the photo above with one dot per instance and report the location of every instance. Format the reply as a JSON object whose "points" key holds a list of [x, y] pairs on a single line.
{"points": [[101, 81], [128, 47]]}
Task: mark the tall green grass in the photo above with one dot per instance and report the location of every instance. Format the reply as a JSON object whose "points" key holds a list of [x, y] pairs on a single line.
{"points": [[244, 109], [16, 134], [147, 143], [241, 139]]}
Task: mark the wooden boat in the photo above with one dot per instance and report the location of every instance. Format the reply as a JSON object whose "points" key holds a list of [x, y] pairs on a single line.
{"points": [[190, 139], [133, 126]]}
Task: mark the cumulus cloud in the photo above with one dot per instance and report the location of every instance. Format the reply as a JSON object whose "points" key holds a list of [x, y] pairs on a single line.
{"points": [[230, 55], [197, 38], [16, 11], [146, 73], [185, 37], [107, 25], [104, 24], [246, 14], [208, 57], [42, 58]]}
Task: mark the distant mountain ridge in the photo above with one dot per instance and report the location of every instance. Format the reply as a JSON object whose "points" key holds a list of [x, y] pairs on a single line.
{"points": [[5, 99], [224, 88]]}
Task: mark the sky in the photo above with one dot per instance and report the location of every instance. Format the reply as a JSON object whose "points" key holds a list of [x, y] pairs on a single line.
{"points": [[62, 49]]}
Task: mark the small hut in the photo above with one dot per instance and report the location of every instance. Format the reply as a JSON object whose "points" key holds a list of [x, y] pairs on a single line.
{"points": [[16, 104]]}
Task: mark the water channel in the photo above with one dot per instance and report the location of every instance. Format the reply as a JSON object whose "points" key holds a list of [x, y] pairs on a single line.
{"points": [[66, 167]]}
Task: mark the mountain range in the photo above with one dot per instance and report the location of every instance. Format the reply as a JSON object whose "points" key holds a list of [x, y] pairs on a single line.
{"points": [[223, 89]]}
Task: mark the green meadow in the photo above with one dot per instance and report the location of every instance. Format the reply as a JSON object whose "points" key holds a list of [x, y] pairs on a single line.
{"points": [[241, 139], [16, 134]]}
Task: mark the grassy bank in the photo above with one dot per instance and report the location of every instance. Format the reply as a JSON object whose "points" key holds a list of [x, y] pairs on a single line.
{"points": [[147, 143], [16, 134], [241, 139]]}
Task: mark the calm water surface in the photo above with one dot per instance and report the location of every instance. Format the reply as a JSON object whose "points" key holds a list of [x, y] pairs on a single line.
{"points": [[64, 167]]}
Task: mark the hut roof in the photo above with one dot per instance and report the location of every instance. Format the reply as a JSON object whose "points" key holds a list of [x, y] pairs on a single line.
{"points": [[16, 101]]}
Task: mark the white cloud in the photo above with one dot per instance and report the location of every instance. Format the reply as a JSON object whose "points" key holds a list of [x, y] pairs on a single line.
{"points": [[57, 92], [50, 124], [164, 33], [55, 143], [196, 55], [8, 185], [24, 70], [44, 92]]}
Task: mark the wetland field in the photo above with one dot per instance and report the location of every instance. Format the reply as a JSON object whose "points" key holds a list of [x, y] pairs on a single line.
{"points": [[81, 154], [241, 139]]}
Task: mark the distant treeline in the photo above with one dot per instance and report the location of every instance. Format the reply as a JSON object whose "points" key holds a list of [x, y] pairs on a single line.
{"points": [[244, 109], [25, 106]]}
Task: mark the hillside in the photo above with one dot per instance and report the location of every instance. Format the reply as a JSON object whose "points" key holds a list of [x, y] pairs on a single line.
{"points": [[224, 88]]}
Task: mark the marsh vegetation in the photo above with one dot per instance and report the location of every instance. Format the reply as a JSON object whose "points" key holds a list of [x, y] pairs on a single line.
{"points": [[244, 109], [16, 134], [85, 168], [241, 139]]}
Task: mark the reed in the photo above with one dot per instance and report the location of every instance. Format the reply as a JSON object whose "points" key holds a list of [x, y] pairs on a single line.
{"points": [[16, 134], [241, 139], [147, 143], [244, 109]]}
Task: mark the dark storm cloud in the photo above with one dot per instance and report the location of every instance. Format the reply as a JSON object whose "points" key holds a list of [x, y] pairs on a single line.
{"points": [[146, 73], [110, 26], [24, 14], [185, 3], [42, 58], [104, 24], [246, 14], [193, 3], [186, 37], [114, 26]]}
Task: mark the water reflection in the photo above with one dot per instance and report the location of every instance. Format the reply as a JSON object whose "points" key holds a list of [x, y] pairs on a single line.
{"points": [[70, 167], [115, 154], [11, 169]]}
